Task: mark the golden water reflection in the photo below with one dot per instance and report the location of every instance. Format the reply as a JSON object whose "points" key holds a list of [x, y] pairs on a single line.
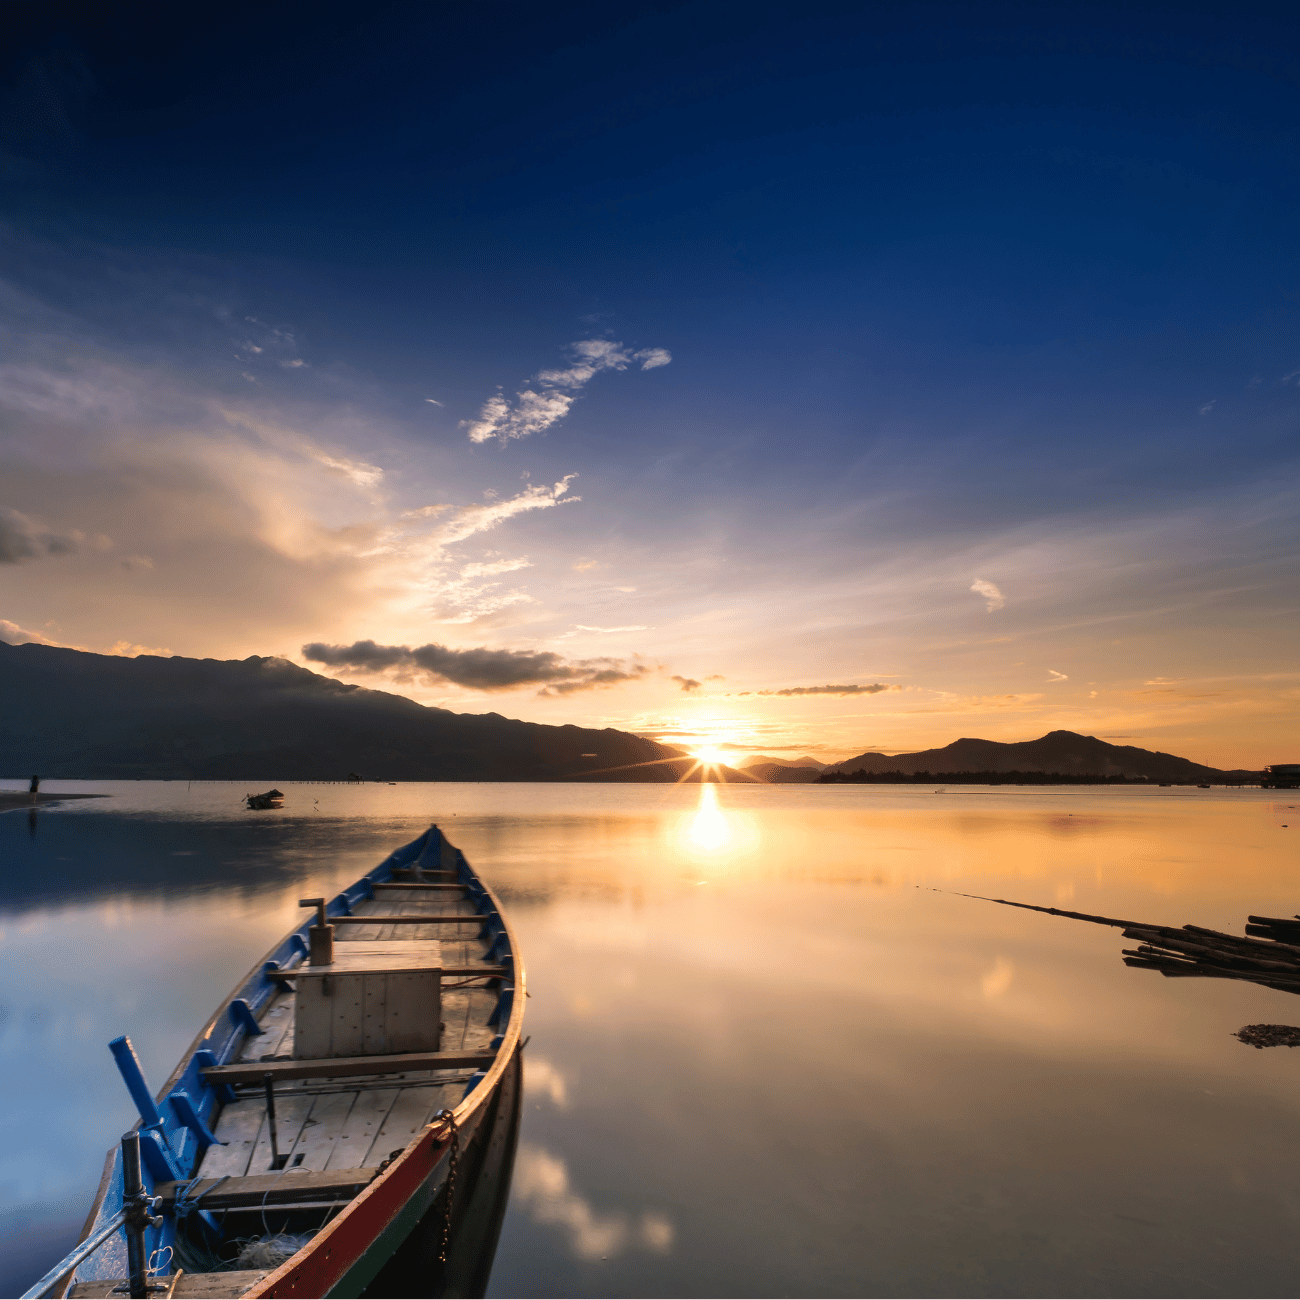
{"points": [[824, 1073]]}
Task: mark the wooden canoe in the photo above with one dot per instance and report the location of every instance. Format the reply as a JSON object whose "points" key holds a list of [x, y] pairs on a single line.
{"points": [[393, 1071]]}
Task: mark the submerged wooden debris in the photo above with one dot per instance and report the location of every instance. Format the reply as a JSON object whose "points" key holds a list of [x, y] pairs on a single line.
{"points": [[1268, 954], [1269, 1035]]}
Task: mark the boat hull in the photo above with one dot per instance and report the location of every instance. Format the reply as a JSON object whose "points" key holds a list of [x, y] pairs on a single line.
{"points": [[404, 1206]]}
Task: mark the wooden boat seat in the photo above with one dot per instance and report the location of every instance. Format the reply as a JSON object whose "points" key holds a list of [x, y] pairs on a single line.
{"points": [[332, 1067], [495, 972], [207, 1285], [276, 1189]]}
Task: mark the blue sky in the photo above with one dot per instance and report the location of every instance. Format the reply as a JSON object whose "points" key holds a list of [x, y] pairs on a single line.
{"points": [[944, 349]]}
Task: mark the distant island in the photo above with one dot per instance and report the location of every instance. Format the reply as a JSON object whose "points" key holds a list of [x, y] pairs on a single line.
{"points": [[69, 714], [1058, 758]]}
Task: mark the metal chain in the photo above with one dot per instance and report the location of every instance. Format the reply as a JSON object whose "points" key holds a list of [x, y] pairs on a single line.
{"points": [[450, 1120]]}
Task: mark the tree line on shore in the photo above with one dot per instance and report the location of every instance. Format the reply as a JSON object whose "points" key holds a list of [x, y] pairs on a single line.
{"points": [[863, 777]]}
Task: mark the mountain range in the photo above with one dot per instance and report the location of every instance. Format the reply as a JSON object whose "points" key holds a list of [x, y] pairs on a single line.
{"points": [[68, 713], [1065, 752]]}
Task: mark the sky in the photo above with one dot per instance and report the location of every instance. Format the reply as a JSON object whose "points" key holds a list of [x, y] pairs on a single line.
{"points": [[796, 379]]}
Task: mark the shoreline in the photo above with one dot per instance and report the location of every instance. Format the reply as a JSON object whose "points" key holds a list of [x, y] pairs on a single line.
{"points": [[21, 799]]}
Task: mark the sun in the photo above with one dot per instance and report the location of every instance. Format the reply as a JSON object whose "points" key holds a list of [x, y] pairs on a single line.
{"points": [[708, 754]]}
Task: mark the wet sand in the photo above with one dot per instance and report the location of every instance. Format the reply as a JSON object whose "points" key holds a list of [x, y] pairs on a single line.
{"points": [[21, 799]]}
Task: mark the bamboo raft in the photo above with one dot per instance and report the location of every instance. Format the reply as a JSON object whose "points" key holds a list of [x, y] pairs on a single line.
{"points": [[1268, 954]]}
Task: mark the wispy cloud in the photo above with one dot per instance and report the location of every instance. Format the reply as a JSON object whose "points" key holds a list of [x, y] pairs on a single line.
{"points": [[687, 683], [480, 668], [358, 471], [993, 598], [481, 518], [1209, 406], [873, 688], [486, 568], [1054, 676], [536, 409]]}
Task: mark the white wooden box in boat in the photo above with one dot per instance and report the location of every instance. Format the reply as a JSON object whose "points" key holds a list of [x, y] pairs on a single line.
{"points": [[377, 998]]}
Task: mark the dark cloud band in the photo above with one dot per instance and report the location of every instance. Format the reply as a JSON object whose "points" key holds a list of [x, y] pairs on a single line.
{"points": [[480, 668]]}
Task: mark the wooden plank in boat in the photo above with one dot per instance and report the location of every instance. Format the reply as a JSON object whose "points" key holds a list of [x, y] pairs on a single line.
{"points": [[290, 1112], [459, 972], [273, 1189], [364, 1121], [339, 1067], [370, 918], [277, 1030], [412, 1110], [320, 1133], [239, 1126], [417, 884], [374, 955], [193, 1286]]}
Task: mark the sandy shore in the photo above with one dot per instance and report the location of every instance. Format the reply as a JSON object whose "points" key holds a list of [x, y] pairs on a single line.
{"points": [[21, 799]]}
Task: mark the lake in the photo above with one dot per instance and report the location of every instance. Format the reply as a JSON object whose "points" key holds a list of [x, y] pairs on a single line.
{"points": [[772, 1051]]}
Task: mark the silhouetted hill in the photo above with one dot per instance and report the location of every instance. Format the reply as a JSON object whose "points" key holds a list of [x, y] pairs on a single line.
{"points": [[65, 713], [1065, 752], [780, 774], [764, 760]]}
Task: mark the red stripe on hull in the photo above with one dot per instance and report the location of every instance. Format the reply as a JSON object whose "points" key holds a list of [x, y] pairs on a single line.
{"points": [[340, 1245]]}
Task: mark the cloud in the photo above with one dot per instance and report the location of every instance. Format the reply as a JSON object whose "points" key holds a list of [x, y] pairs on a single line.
{"points": [[485, 568], [874, 688], [23, 538], [480, 518], [363, 475], [480, 668], [1209, 406], [540, 1076], [631, 627], [582, 566], [542, 1186], [434, 400], [12, 634], [993, 598], [688, 683], [536, 409], [1054, 676]]}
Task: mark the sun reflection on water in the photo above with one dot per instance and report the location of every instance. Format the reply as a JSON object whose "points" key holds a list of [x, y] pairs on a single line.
{"points": [[710, 830]]}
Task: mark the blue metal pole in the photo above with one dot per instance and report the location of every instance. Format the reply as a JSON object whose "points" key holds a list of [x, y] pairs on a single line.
{"points": [[128, 1065]]}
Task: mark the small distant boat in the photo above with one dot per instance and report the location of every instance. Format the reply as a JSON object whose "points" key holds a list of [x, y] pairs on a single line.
{"points": [[347, 1120], [1202, 785], [268, 799]]}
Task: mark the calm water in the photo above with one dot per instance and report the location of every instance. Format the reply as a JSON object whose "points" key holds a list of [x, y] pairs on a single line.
{"points": [[767, 1058]]}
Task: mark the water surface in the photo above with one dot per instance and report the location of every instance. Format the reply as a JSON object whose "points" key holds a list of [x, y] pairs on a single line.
{"points": [[769, 1055]]}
